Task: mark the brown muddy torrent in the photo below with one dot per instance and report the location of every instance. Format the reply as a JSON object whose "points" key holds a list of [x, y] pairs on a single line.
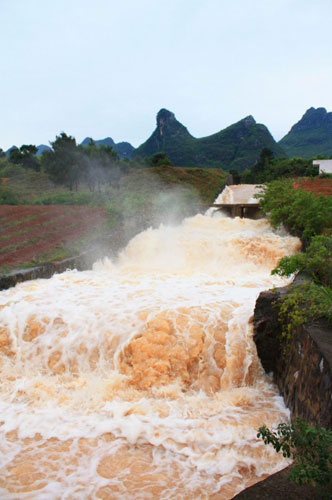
{"points": [[139, 379]]}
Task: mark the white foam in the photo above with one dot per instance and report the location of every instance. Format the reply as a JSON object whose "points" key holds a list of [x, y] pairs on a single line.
{"points": [[151, 359]]}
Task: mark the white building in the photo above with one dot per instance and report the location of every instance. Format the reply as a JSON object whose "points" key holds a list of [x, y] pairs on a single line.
{"points": [[324, 166]]}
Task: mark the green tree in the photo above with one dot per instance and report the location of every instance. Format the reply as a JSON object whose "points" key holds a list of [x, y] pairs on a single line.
{"points": [[25, 156], [159, 159], [236, 176], [62, 162], [260, 172], [266, 156]]}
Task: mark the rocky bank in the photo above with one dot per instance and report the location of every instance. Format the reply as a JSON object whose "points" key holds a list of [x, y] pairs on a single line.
{"points": [[304, 378]]}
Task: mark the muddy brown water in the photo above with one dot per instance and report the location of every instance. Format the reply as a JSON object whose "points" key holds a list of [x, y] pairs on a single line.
{"points": [[139, 378]]}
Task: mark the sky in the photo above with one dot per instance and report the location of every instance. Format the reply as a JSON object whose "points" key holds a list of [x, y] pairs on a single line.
{"points": [[105, 67]]}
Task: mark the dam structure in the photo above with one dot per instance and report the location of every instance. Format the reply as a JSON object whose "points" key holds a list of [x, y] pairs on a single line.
{"points": [[139, 378], [239, 200]]}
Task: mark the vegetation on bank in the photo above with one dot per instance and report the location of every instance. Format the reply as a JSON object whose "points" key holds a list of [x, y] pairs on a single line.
{"points": [[302, 213], [309, 217], [311, 449]]}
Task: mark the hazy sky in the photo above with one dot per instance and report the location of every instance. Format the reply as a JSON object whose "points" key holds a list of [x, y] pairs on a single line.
{"points": [[105, 67]]}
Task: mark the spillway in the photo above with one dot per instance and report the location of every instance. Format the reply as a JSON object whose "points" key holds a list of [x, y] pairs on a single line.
{"points": [[139, 378]]}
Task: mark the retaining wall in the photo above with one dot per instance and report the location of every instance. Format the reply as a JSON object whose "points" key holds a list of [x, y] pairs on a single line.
{"points": [[303, 373]]}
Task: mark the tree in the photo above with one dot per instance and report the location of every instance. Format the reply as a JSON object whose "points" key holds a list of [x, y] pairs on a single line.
{"points": [[159, 159], [62, 162], [100, 165], [261, 170], [25, 156], [236, 176], [266, 156]]}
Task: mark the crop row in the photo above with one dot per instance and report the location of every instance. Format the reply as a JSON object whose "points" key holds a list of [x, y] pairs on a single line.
{"points": [[27, 232]]}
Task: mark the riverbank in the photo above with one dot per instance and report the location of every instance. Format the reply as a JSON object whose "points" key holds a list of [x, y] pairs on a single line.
{"points": [[303, 375], [277, 487]]}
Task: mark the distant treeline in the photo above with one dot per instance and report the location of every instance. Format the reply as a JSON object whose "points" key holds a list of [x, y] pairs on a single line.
{"points": [[269, 168], [97, 165], [69, 164]]}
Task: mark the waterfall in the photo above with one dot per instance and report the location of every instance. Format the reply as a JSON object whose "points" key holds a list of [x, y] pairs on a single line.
{"points": [[139, 378]]}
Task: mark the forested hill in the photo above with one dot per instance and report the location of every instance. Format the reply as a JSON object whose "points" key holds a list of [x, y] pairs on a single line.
{"points": [[311, 136], [236, 147]]}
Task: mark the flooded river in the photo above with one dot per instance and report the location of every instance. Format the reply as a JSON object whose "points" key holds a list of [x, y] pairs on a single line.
{"points": [[139, 378]]}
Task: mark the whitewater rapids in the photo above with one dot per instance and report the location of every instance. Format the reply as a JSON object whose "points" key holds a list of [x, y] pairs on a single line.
{"points": [[140, 379]]}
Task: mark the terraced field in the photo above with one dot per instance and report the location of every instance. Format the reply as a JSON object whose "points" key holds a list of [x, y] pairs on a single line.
{"points": [[33, 234]]}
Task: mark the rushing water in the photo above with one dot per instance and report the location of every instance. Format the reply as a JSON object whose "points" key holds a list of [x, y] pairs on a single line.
{"points": [[139, 379]]}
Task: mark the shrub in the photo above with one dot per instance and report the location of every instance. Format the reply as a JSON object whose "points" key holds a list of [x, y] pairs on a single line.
{"points": [[11, 170], [311, 449], [304, 302], [8, 197], [317, 259], [301, 212]]}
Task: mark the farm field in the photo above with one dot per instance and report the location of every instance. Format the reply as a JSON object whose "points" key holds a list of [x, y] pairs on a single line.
{"points": [[30, 235], [316, 185], [46, 222]]}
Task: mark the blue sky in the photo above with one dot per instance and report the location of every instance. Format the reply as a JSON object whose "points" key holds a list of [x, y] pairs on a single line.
{"points": [[105, 68]]}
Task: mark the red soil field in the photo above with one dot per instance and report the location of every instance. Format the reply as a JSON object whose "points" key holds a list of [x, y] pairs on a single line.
{"points": [[315, 185], [30, 232]]}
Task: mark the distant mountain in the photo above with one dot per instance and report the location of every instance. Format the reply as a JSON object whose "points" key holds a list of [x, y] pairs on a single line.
{"points": [[124, 149], [236, 147], [108, 141], [9, 150], [41, 148], [311, 136]]}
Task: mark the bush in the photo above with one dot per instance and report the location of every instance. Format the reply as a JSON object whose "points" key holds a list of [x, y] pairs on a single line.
{"points": [[11, 170], [311, 449], [304, 302], [307, 216], [317, 259], [8, 197], [301, 212]]}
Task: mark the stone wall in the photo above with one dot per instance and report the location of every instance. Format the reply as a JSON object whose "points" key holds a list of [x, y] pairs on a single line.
{"points": [[80, 262], [303, 373]]}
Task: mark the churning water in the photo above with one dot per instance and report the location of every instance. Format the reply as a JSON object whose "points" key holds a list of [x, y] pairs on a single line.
{"points": [[139, 379]]}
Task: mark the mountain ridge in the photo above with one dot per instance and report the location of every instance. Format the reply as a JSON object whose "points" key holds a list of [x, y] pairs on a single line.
{"points": [[311, 135], [237, 146]]}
